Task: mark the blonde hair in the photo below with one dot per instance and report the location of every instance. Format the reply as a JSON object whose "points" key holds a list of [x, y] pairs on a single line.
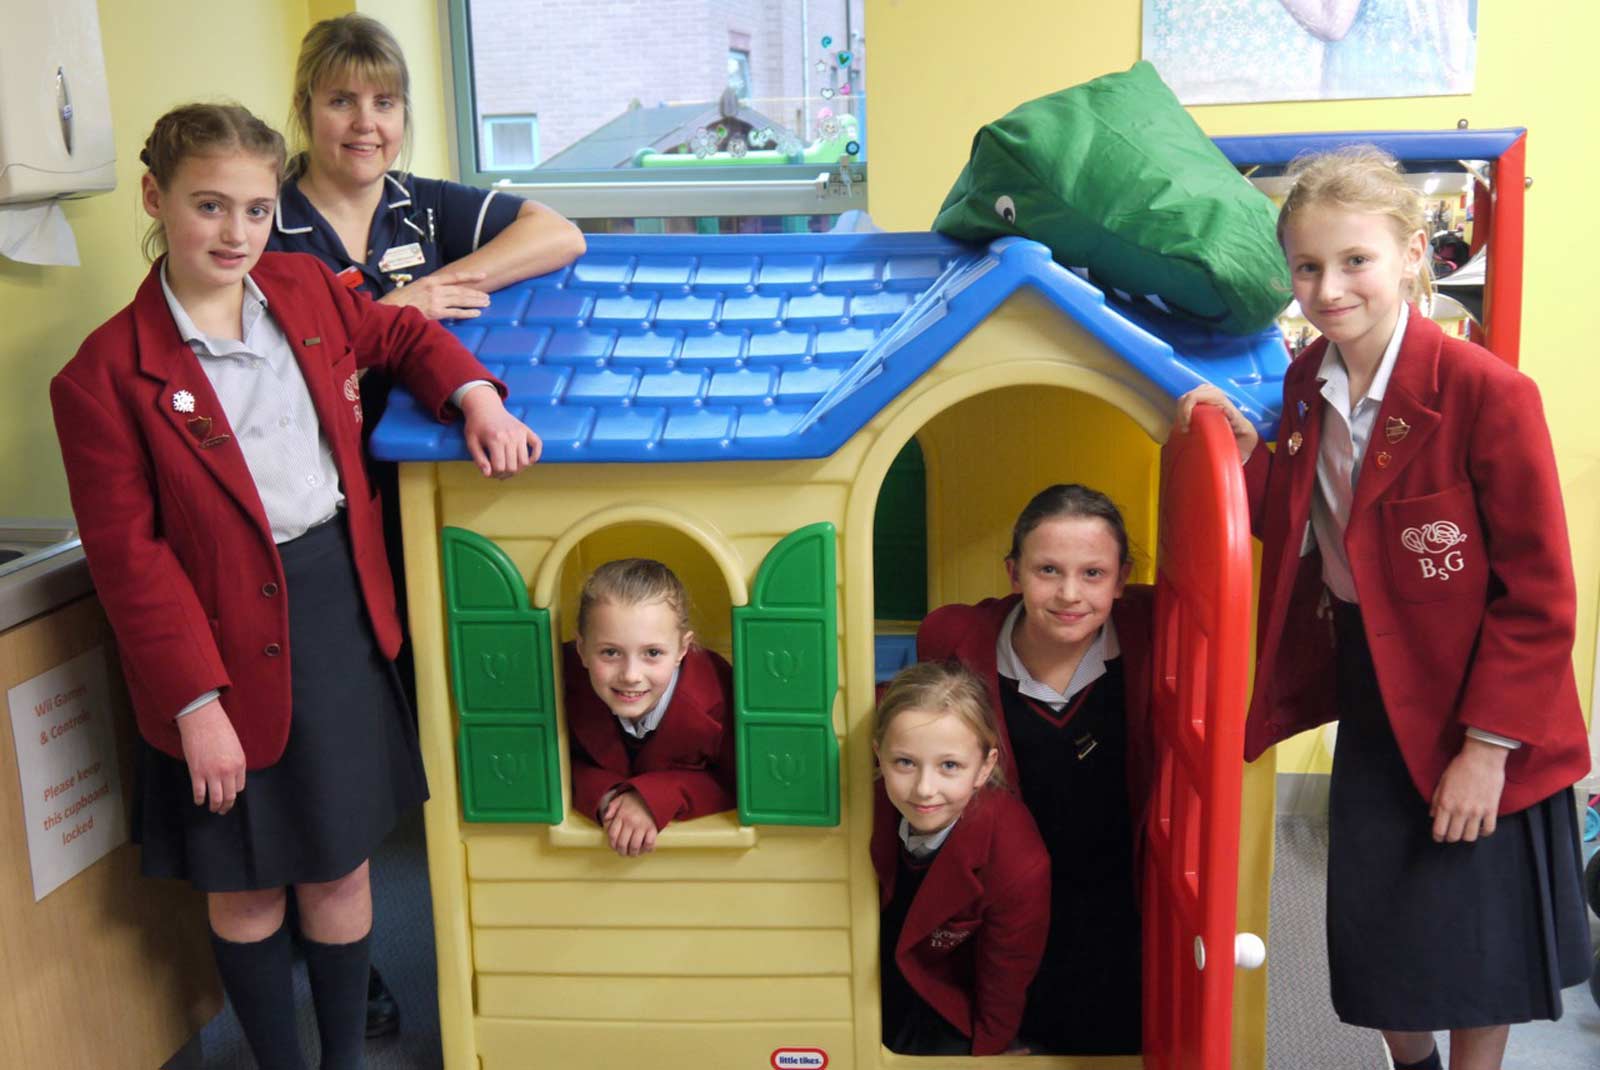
{"points": [[1360, 178], [203, 130], [634, 581], [941, 687], [357, 47]]}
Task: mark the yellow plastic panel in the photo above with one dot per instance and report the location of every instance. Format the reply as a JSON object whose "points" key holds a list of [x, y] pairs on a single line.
{"points": [[979, 480], [710, 602], [516, 1045], [663, 904], [667, 953], [811, 856], [682, 999], [713, 830]]}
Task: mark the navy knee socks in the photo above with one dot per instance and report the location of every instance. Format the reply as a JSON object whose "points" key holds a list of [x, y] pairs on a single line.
{"points": [[257, 980], [338, 975]]}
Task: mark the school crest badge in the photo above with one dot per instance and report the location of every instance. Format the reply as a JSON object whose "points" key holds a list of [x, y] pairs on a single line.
{"points": [[1435, 544], [947, 939]]}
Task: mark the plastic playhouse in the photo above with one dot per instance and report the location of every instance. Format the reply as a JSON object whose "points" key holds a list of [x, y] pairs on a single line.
{"points": [[824, 435]]}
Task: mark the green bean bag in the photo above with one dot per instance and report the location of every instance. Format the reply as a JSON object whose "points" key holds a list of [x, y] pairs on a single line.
{"points": [[1115, 178]]}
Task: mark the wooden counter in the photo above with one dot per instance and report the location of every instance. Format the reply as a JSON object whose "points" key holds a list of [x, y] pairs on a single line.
{"points": [[110, 970]]}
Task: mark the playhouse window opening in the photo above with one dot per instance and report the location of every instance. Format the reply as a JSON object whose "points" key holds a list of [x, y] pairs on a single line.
{"points": [[709, 611]]}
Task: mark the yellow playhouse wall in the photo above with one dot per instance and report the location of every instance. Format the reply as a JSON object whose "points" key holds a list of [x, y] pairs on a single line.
{"points": [[157, 56], [727, 942]]}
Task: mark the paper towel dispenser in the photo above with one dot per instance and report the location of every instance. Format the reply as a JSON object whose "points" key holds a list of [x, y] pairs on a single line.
{"points": [[55, 106]]}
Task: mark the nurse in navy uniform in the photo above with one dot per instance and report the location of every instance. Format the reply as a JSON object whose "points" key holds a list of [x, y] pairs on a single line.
{"points": [[395, 237]]}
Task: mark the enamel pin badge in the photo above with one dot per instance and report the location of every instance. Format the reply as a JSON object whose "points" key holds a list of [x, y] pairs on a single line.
{"points": [[182, 401], [1295, 440], [1395, 430]]}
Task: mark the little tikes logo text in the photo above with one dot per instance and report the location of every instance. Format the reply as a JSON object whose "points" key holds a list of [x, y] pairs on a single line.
{"points": [[799, 1059], [1429, 541]]}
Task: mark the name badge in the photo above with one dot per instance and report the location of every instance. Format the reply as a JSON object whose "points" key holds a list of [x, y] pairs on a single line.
{"points": [[401, 257]]}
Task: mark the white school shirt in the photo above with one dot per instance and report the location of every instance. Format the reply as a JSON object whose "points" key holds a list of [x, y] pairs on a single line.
{"points": [[918, 845], [1346, 433], [641, 727], [1093, 665]]}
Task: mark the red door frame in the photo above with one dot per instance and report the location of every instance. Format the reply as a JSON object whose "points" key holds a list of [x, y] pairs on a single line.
{"points": [[1198, 703]]}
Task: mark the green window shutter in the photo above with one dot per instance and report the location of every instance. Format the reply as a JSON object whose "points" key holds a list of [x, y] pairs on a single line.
{"points": [[503, 685], [900, 539], [786, 673]]}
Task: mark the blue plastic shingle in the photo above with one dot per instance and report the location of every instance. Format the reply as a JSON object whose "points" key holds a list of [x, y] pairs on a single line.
{"points": [[715, 349], [818, 309], [570, 345], [691, 348], [689, 313], [788, 274], [649, 348], [744, 384], [567, 308], [601, 271], [671, 388], [753, 312], [601, 387], [507, 343]]}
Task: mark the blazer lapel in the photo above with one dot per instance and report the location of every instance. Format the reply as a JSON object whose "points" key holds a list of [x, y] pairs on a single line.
{"points": [[687, 727], [187, 401], [1303, 401], [1406, 417], [949, 887]]}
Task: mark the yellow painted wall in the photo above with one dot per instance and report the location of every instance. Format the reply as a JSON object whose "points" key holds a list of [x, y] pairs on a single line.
{"points": [[939, 69], [157, 55]]}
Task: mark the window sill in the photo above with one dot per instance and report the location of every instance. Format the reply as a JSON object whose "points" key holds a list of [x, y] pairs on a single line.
{"points": [[714, 831]]}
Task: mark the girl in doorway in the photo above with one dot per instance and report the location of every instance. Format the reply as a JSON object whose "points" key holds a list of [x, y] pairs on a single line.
{"points": [[1066, 660], [1416, 584], [963, 878], [211, 433]]}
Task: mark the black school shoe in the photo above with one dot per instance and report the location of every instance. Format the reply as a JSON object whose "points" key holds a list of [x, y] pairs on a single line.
{"points": [[383, 1013]]}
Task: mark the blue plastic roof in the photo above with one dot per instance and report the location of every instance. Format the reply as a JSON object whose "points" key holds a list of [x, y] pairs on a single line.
{"points": [[758, 347], [1403, 145]]}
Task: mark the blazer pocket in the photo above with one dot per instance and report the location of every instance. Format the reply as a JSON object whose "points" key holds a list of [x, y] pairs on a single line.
{"points": [[1434, 546], [952, 934]]}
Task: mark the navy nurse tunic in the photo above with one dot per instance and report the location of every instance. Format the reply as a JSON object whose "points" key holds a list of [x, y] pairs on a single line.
{"points": [[446, 220]]}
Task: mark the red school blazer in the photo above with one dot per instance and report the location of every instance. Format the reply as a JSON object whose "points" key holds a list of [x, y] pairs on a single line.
{"points": [[685, 768], [975, 933], [1458, 543], [176, 538], [969, 633]]}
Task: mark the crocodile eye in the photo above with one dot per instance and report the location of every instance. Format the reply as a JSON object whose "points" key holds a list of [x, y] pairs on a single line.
{"points": [[1006, 208]]}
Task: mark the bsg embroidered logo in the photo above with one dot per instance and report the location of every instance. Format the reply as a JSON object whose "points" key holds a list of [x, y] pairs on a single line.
{"points": [[1433, 539], [945, 939]]}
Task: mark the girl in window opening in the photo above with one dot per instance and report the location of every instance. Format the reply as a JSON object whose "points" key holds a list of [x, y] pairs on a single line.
{"points": [[1066, 660], [649, 713], [1416, 585], [212, 443], [963, 878]]}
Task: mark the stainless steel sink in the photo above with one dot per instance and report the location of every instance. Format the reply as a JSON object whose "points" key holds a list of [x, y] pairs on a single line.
{"points": [[24, 543]]}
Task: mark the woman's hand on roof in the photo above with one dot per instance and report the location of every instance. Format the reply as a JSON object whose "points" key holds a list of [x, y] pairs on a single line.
{"points": [[444, 295]]}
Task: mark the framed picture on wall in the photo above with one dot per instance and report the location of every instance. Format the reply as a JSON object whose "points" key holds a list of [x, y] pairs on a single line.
{"points": [[1239, 51]]}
